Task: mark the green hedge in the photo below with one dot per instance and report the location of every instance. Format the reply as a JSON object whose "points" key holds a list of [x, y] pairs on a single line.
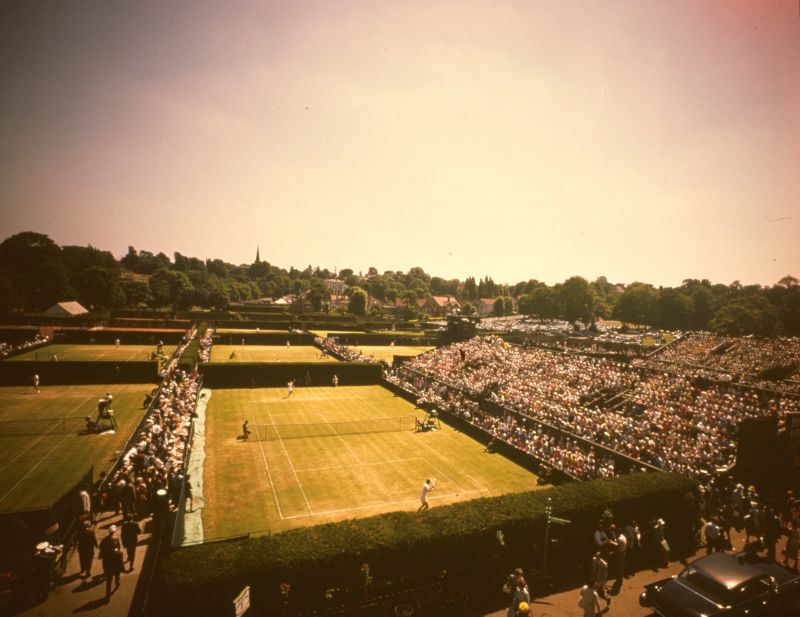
{"points": [[276, 374], [409, 550]]}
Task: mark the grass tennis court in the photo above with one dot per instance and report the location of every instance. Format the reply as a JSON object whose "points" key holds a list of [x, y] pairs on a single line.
{"points": [[36, 469], [268, 353], [387, 353], [292, 481], [67, 353]]}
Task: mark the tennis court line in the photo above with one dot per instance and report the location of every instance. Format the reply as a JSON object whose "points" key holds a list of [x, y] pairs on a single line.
{"points": [[469, 477], [362, 464], [415, 451], [12, 461], [32, 469], [386, 503], [266, 467], [346, 445], [288, 458]]}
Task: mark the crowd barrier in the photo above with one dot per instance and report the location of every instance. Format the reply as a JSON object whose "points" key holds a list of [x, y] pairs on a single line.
{"points": [[260, 375], [76, 373]]}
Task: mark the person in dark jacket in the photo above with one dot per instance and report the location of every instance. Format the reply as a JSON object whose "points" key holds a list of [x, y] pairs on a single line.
{"points": [[111, 556], [130, 538], [87, 542]]}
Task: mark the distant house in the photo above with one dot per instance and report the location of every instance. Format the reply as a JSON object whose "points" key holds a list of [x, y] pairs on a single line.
{"points": [[439, 306], [65, 309], [485, 307]]}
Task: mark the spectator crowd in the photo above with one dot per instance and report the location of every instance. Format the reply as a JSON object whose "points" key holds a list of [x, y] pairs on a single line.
{"points": [[575, 412]]}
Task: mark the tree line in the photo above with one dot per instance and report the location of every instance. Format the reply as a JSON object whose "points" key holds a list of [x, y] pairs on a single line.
{"points": [[35, 273]]}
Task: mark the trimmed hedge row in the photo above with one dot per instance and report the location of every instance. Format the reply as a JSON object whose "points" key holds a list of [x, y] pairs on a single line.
{"points": [[264, 375], [473, 545], [78, 372]]}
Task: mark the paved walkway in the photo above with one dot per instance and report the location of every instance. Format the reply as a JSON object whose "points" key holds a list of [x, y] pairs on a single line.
{"points": [[74, 596], [626, 602]]}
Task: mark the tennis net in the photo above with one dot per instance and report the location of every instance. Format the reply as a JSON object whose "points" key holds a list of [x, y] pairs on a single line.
{"points": [[271, 432], [42, 426]]}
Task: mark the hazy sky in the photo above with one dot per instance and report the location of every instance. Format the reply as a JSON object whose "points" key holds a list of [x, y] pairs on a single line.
{"points": [[638, 140]]}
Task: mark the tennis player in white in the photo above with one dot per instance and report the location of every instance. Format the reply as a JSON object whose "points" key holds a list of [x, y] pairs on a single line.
{"points": [[423, 496]]}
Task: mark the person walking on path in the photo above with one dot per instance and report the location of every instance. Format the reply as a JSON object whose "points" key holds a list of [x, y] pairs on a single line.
{"points": [[519, 594], [589, 600], [130, 538], [87, 542], [600, 576], [111, 555], [36, 383]]}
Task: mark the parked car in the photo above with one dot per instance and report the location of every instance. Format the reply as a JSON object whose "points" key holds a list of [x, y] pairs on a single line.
{"points": [[726, 584]]}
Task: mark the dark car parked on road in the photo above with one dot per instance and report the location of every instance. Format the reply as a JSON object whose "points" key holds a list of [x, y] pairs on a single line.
{"points": [[726, 584]]}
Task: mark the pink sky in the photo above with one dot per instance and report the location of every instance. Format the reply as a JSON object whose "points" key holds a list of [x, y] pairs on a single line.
{"points": [[650, 141]]}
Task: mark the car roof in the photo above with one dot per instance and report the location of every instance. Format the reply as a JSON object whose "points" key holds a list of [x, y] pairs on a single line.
{"points": [[729, 570]]}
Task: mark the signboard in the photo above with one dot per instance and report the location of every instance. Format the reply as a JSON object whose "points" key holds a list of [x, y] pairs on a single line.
{"points": [[242, 602]]}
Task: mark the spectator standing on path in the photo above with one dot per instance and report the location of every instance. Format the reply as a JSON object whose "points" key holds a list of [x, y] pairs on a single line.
{"points": [[792, 545], [621, 550], [36, 382], [772, 532], [712, 534], [188, 493], [600, 576], [87, 542], [86, 503], [519, 593], [335, 381], [130, 538], [111, 556], [589, 600]]}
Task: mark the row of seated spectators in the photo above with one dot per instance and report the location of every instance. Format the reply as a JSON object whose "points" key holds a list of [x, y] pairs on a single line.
{"points": [[155, 460], [557, 450], [7, 348], [656, 418], [746, 355], [343, 352]]}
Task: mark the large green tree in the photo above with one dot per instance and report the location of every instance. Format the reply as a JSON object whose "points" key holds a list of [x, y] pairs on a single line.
{"points": [[358, 301], [577, 300]]}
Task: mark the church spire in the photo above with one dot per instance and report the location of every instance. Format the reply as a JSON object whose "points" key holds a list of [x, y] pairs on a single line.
{"points": [[258, 257]]}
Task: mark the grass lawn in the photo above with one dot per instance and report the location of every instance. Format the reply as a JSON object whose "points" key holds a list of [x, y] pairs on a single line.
{"points": [[274, 485], [66, 353], [386, 353], [36, 469], [268, 353]]}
